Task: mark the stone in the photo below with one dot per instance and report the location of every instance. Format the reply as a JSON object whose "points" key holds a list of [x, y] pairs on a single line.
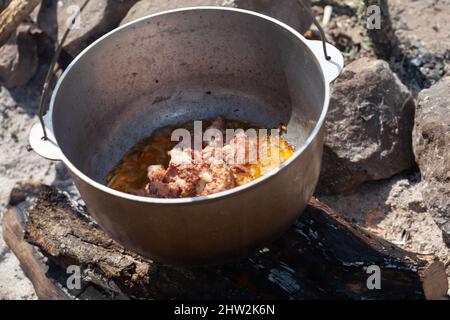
{"points": [[369, 127], [97, 18], [287, 11], [18, 58], [431, 142]]}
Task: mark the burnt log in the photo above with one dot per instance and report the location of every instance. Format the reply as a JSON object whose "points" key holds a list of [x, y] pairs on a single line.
{"points": [[322, 256]]}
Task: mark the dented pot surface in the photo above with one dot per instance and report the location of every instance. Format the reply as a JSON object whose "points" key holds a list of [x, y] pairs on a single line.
{"points": [[180, 65]]}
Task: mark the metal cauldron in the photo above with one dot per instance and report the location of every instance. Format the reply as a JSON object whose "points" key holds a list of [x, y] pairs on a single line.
{"points": [[180, 65]]}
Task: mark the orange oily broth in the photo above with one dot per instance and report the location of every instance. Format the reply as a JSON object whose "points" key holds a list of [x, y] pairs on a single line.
{"points": [[267, 162], [130, 175]]}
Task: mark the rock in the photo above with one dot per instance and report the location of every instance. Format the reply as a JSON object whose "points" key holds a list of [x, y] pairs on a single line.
{"points": [[431, 142], [18, 58], [369, 127], [98, 18], [287, 11]]}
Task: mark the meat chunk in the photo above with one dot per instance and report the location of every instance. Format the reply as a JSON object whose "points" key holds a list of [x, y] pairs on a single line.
{"points": [[212, 154], [156, 186], [241, 150], [179, 156], [179, 180], [156, 173], [182, 179], [215, 177], [215, 172]]}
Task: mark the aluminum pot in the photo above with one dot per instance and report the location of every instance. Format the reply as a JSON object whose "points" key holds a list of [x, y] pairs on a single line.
{"points": [[180, 65]]}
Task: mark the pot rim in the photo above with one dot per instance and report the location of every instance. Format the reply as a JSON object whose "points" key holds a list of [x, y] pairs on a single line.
{"points": [[219, 195]]}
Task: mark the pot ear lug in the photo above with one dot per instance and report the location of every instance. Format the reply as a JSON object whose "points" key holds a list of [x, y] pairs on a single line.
{"points": [[46, 148], [331, 67]]}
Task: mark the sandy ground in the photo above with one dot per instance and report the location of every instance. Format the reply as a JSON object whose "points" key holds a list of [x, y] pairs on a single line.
{"points": [[393, 209], [17, 114]]}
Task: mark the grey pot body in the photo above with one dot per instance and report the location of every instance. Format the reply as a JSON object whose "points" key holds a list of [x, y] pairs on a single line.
{"points": [[178, 66]]}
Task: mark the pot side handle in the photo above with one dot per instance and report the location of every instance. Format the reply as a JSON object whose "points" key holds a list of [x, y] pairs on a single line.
{"points": [[48, 148], [331, 68]]}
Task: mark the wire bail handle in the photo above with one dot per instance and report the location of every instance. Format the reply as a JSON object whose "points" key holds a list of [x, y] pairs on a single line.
{"points": [[323, 38]]}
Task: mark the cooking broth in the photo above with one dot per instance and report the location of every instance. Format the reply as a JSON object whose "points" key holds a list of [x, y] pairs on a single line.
{"points": [[131, 174]]}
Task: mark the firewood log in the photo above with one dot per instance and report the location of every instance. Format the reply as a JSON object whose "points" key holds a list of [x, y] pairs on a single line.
{"points": [[322, 256]]}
